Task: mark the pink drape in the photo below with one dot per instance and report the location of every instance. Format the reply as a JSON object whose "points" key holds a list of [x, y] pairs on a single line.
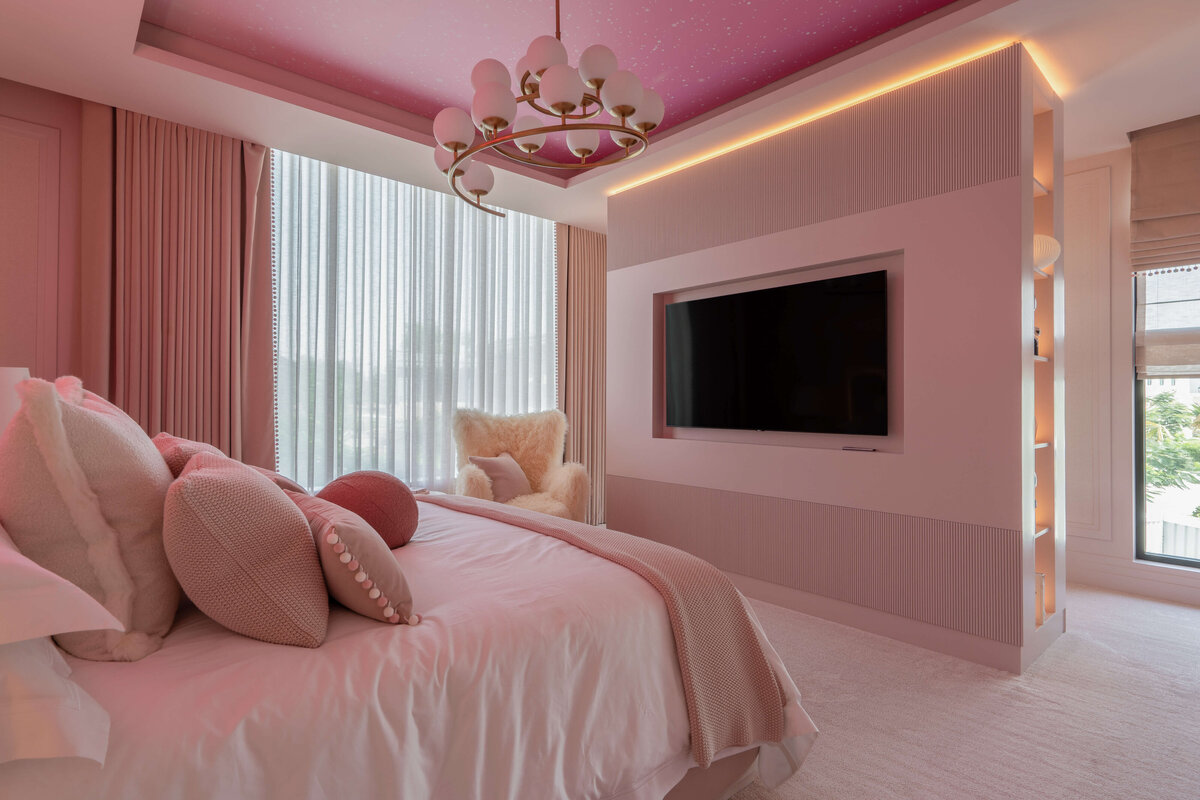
{"points": [[189, 336]]}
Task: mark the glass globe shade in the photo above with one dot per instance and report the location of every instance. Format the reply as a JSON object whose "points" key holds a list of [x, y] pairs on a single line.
{"points": [[494, 108], [561, 89], [489, 70], [522, 68], [543, 53], [444, 158], [453, 129], [596, 63], [478, 179], [530, 144], [624, 138], [621, 93], [583, 142], [650, 111]]}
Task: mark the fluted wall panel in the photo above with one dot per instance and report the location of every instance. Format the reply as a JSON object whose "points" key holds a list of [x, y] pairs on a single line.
{"points": [[953, 130], [955, 575]]}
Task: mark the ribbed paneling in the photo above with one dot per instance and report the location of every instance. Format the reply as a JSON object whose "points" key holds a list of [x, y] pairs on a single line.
{"points": [[958, 576], [953, 130]]}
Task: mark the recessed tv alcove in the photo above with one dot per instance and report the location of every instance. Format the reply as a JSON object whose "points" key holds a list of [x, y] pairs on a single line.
{"points": [[802, 357]]}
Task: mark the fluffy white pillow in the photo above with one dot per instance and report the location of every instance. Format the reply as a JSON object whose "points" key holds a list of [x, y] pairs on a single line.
{"points": [[82, 496], [34, 602]]}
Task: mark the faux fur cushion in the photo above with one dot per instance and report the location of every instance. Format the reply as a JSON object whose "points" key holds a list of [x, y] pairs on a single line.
{"points": [[535, 441], [508, 481], [382, 500], [82, 495], [177, 451], [360, 571], [244, 553]]}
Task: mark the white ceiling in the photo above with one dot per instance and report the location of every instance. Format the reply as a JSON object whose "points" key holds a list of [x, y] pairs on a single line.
{"points": [[1119, 66]]}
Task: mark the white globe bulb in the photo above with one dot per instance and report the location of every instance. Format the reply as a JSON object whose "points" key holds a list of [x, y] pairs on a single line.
{"points": [[596, 63], [561, 89], [533, 143], [494, 108], [583, 142], [444, 158], [543, 53], [650, 111], [624, 138], [522, 68], [478, 179], [490, 71], [453, 129], [621, 93]]}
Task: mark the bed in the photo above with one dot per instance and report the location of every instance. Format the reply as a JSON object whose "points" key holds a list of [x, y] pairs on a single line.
{"points": [[537, 670]]}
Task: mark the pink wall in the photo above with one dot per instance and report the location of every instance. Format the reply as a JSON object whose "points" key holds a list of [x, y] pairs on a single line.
{"points": [[39, 226], [928, 531]]}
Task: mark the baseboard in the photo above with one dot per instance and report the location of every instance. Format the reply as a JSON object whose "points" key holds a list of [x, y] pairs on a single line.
{"points": [[1146, 578], [931, 637]]}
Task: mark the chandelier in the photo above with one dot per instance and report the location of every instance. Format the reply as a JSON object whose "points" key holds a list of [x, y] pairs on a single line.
{"points": [[572, 99]]}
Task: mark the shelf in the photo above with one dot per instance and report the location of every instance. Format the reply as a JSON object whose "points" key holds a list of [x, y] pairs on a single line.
{"points": [[1039, 188], [1042, 359], [1040, 445], [1042, 532], [1040, 274]]}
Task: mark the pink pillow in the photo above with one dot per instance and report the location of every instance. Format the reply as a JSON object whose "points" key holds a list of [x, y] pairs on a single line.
{"points": [[360, 570], [82, 495], [177, 451], [508, 480], [382, 500], [244, 554]]}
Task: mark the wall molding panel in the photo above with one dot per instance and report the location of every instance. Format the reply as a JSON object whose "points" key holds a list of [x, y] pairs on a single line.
{"points": [[954, 575], [948, 132]]}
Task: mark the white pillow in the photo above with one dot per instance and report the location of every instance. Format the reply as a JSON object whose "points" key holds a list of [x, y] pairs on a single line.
{"points": [[34, 602], [43, 713]]}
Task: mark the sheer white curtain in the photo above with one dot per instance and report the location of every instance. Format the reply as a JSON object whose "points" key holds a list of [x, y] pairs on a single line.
{"points": [[395, 305]]}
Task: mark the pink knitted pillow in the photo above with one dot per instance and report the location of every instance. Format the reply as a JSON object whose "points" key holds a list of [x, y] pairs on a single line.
{"points": [[177, 451], [81, 494], [244, 554], [360, 570], [507, 477], [382, 500]]}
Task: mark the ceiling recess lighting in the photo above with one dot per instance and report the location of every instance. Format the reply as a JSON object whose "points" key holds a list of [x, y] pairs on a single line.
{"points": [[571, 97]]}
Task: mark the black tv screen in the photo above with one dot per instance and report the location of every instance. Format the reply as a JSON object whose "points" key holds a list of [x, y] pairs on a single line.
{"points": [[807, 357]]}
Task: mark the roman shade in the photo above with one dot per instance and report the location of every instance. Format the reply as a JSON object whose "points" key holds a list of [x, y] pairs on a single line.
{"points": [[1167, 336], [1164, 211]]}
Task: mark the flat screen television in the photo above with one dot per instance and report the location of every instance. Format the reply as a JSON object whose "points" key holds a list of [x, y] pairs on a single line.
{"points": [[807, 357]]}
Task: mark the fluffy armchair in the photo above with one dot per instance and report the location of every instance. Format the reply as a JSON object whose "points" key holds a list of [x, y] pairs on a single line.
{"points": [[535, 441]]}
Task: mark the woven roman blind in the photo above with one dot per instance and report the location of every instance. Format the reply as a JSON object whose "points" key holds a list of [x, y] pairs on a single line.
{"points": [[1164, 212], [1167, 334]]}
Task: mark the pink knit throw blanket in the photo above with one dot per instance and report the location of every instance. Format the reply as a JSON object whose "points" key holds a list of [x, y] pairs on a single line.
{"points": [[733, 696]]}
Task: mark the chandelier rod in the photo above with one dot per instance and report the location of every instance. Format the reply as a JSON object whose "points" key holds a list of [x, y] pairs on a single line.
{"points": [[557, 24]]}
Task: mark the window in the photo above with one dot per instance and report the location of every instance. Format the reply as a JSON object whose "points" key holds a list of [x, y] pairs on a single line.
{"points": [[1167, 359], [396, 305]]}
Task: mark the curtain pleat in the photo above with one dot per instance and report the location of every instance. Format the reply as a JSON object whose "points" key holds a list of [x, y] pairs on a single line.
{"points": [[191, 287], [395, 306], [582, 277]]}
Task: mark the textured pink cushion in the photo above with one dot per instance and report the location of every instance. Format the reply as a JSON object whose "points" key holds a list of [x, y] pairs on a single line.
{"points": [[177, 451], [383, 500], [360, 570], [244, 554], [82, 495], [508, 479]]}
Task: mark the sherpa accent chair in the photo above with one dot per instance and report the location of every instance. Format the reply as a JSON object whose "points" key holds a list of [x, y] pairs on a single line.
{"points": [[535, 441]]}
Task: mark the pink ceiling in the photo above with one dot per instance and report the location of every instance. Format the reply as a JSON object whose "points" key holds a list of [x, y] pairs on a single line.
{"points": [[417, 55]]}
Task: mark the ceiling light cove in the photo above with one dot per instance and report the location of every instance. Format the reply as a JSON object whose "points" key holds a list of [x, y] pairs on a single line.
{"points": [[571, 97], [774, 130]]}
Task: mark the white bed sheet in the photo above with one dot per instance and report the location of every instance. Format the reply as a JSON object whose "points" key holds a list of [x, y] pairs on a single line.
{"points": [[538, 670]]}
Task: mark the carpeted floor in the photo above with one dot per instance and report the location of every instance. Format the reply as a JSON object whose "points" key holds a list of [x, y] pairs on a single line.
{"points": [[1111, 710]]}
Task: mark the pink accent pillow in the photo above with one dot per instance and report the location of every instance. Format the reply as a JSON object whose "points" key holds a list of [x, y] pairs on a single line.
{"points": [[82, 496], [507, 477], [382, 500], [243, 553], [360, 570], [177, 451]]}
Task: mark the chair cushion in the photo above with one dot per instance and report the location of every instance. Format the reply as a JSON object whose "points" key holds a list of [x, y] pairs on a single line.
{"points": [[508, 480], [535, 441], [543, 502]]}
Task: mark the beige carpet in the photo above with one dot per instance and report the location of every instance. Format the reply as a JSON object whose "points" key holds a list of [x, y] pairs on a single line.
{"points": [[1111, 710]]}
